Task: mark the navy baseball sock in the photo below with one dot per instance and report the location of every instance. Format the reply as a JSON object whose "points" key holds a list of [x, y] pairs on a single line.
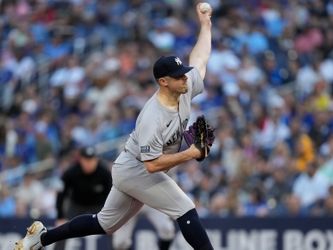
{"points": [[193, 231], [79, 226], [164, 244]]}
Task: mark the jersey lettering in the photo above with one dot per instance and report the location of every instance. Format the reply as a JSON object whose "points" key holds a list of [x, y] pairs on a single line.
{"points": [[174, 138]]}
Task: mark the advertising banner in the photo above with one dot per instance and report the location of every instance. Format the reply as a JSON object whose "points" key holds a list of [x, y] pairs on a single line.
{"points": [[225, 234]]}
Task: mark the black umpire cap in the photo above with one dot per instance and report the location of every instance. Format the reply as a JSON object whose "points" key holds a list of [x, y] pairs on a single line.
{"points": [[88, 152], [169, 66]]}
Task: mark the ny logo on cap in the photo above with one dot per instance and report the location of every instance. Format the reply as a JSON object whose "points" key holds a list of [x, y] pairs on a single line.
{"points": [[178, 61]]}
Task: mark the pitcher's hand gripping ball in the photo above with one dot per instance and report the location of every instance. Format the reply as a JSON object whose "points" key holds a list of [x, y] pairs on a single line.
{"points": [[205, 7]]}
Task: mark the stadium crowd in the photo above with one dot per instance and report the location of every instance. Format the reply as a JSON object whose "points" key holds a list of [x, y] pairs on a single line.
{"points": [[77, 72]]}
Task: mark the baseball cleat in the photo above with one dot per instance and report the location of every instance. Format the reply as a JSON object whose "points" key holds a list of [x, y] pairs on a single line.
{"points": [[31, 240]]}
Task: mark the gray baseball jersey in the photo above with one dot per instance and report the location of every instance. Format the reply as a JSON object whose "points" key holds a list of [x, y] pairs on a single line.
{"points": [[158, 131]]}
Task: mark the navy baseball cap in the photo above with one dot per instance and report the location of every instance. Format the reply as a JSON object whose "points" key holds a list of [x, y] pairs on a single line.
{"points": [[169, 66], [88, 152]]}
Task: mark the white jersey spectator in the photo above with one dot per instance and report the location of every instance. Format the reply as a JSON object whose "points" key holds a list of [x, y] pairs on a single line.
{"points": [[310, 186]]}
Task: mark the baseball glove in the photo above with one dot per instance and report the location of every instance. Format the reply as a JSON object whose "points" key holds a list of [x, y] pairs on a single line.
{"points": [[201, 135]]}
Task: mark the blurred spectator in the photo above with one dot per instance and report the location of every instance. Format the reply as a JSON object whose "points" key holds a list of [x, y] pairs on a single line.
{"points": [[302, 147], [274, 128], [321, 128], [219, 206], [328, 203], [311, 187], [278, 188], [28, 194], [256, 204], [291, 207], [7, 203], [3, 137]]}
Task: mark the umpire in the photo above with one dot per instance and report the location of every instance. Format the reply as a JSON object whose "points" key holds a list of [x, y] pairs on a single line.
{"points": [[86, 184]]}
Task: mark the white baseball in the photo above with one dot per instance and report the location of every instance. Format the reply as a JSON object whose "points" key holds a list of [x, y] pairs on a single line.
{"points": [[205, 7]]}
